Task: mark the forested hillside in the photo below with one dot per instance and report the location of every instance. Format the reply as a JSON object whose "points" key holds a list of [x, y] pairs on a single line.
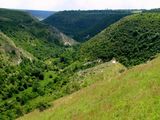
{"points": [[132, 40], [82, 25], [32, 58]]}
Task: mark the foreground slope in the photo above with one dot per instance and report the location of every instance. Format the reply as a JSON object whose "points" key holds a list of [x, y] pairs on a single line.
{"points": [[134, 94], [82, 25], [132, 40]]}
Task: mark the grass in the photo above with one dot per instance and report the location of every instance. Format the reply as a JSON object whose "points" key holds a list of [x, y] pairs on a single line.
{"points": [[134, 94]]}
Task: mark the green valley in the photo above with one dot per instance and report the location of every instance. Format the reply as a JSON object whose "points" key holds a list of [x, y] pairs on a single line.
{"points": [[80, 65]]}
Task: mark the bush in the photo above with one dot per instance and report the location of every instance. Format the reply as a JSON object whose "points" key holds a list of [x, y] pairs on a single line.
{"points": [[43, 106]]}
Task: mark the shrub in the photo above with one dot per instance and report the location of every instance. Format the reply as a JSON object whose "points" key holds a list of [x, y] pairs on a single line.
{"points": [[43, 106]]}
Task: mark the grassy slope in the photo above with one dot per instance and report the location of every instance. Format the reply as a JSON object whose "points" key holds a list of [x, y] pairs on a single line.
{"points": [[132, 95]]}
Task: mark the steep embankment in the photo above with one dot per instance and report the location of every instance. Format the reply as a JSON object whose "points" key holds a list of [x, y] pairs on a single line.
{"points": [[10, 53], [132, 40], [82, 25], [133, 94]]}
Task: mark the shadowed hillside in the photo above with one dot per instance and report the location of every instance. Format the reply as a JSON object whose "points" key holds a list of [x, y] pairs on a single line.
{"points": [[82, 25]]}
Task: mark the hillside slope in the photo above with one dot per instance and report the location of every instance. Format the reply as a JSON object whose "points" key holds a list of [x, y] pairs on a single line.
{"points": [[30, 34], [132, 40], [130, 95], [82, 25]]}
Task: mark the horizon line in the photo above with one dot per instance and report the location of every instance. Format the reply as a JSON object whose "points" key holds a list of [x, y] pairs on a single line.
{"points": [[79, 9]]}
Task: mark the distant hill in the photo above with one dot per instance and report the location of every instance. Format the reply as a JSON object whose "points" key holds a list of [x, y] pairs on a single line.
{"points": [[132, 40], [153, 10], [39, 14], [82, 25]]}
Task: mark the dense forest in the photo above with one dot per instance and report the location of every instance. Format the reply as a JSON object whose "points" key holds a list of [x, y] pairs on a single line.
{"points": [[82, 25]]}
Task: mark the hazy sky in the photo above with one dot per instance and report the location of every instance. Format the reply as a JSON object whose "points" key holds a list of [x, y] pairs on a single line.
{"points": [[79, 4]]}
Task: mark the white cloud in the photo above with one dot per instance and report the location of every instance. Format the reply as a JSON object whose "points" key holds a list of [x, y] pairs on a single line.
{"points": [[79, 4]]}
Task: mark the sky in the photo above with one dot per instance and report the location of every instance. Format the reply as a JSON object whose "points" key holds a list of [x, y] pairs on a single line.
{"points": [[56, 5]]}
